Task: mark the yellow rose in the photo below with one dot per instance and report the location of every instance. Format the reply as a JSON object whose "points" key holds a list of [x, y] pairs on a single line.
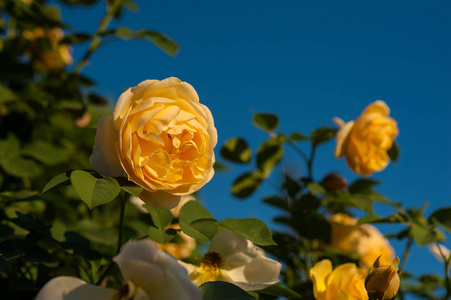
{"points": [[52, 55], [365, 141], [382, 283], [343, 283], [365, 240], [161, 137]]}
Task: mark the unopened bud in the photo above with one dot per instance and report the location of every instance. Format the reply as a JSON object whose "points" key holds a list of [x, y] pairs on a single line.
{"points": [[334, 182], [382, 283]]}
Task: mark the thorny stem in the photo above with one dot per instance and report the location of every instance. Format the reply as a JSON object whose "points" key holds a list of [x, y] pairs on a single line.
{"points": [[95, 43], [447, 261], [310, 162]]}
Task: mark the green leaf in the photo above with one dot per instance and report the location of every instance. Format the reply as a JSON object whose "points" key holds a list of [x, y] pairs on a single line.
{"points": [[124, 33], [20, 167], [45, 153], [160, 40], [129, 186], [220, 290], [219, 166], [394, 218], [269, 155], [362, 202], [12, 162], [57, 181], [322, 135], [9, 147], [362, 186], [393, 152], [6, 95], [236, 150], [132, 190], [291, 185], [94, 191], [160, 217], [443, 217], [312, 226], [193, 211], [197, 222], [246, 184], [161, 236], [295, 137], [267, 122], [201, 230], [28, 222], [277, 202], [423, 236], [76, 38], [252, 229], [280, 291], [315, 188]]}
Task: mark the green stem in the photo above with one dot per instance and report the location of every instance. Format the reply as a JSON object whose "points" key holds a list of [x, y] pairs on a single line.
{"points": [[405, 254], [447, 261], [310, 162], [123, 201], [110, 11], [121, 222], [402, 264], [299, 151]]}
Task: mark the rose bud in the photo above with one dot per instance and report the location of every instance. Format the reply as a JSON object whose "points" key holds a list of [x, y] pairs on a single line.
{"points": [[334, 182], [382, 283]]}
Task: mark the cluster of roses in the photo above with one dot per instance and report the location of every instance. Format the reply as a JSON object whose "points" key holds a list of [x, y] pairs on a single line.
{"points": [[163, 139]]}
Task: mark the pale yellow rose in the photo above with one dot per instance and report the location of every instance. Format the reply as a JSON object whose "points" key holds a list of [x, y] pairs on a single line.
{"points": [[232, 258], [364, 240], [382, 283], [161, 137], [345, 282], [365, 142], [52, 56]]}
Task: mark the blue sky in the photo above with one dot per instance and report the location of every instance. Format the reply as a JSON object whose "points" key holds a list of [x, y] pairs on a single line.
{"points": [[307, 62]]}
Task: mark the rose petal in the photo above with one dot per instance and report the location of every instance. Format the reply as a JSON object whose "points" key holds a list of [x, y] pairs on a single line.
{"points": [[227, 242], [72, 288], [160, 199], [258, 274], [341, 136], [156, 272], [319, 274], [104, 158]]}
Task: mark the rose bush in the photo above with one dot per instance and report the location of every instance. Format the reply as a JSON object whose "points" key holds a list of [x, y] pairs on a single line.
{"points": [[46, 48], [345, 282], [161, 137], [365, 142]]}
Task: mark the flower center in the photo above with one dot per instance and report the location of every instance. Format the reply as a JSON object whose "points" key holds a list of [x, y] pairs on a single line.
{"points": [[126, 292], [212, 261]]}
